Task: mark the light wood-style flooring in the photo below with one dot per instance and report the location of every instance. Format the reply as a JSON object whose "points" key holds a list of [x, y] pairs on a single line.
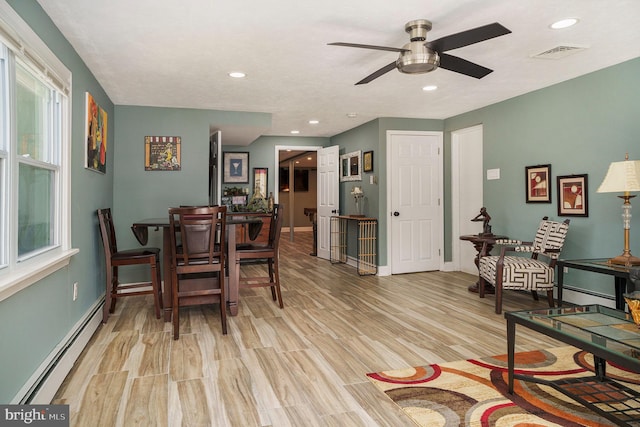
{"points": [[304, 365]]}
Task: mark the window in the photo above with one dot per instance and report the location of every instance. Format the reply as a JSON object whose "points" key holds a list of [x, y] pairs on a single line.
{"points": [[34, 157]]}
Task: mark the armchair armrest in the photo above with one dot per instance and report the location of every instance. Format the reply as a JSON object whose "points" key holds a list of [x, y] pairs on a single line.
{"points": [[507, 245]]}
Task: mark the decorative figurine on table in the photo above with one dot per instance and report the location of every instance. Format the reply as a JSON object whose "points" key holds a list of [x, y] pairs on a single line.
{"points": [[485, 218]]}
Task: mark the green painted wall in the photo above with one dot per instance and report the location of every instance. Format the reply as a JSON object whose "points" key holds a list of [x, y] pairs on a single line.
{"points": [[578, 127], [373, 136], [36, 319], [143, 194]]}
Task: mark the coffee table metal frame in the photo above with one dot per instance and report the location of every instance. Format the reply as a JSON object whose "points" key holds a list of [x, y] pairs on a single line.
{"points": [[609, 334]]}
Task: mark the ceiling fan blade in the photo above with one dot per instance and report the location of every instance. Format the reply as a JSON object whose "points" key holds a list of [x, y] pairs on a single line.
{"points": [[468, 37], [462, 66], [378, 73], [369, 46]]}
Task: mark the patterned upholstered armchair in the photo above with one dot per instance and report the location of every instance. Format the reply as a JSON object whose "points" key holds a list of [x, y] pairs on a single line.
{"points": [[520, 273]]}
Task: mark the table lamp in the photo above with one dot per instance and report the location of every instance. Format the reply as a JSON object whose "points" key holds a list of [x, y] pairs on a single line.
{"points": [[623, 177]]}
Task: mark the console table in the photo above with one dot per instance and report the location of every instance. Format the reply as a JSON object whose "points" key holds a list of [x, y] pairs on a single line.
{"points": [[620, 275], [606, 333], [367, 232]]}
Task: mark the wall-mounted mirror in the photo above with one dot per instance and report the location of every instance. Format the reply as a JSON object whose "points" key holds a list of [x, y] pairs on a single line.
{"points": [[351, 166]]}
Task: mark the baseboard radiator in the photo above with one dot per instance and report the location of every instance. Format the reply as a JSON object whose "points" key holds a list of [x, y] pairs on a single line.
{"points": [[47, 379]]}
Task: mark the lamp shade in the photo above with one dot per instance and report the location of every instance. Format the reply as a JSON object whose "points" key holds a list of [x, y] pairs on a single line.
{"points": [[621, 177]]}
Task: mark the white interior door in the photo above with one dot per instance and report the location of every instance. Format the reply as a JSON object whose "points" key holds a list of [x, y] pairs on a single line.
{"points": [[328, 196], [466, 192], [414, 193]]}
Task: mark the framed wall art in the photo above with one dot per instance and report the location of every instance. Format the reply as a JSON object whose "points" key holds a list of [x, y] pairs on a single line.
{"points": [[351, 166], [235, 167], [367, 161], [96, 126], [260, 180], [537, 183], [162, 153], [572, 195]]}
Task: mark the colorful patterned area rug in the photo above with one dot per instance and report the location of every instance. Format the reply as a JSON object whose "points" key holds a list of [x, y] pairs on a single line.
{"points": [[473, 393]]}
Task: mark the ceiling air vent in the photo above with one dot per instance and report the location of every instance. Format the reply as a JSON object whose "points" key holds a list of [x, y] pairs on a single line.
{"points": [[559, 52]]}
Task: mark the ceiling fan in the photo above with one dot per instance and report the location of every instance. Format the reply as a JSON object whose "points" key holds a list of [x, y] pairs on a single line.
{"points": [[421, 56]]}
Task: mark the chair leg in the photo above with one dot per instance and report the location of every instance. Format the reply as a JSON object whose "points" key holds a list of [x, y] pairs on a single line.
{"points": [[175, 309], [223, 304], [114, 290], [108, 296], [276, 274], [498, 297], [272, 280], [534, 294], [156, 285], [481, 284], [550, 298]]}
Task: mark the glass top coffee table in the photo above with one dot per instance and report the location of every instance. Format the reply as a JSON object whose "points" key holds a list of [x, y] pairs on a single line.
{"points": [[608, 334]]}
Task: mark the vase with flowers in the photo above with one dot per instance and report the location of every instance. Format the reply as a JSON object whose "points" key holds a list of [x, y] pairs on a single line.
{"points": [[358, 195]]}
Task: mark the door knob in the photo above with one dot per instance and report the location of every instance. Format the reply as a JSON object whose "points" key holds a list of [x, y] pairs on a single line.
{"points": [[396, 213], [335, 211]]}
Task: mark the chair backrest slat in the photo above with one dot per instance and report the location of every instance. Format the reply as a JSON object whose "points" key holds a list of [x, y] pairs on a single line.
{"points": [[275, 227], [107, 231], [550, 237], [197, 235]]}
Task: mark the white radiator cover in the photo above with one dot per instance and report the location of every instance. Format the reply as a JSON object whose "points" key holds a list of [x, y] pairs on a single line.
{"points": [[47, 379]]}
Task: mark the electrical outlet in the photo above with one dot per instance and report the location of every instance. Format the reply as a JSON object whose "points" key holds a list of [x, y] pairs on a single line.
{"points": [[75, 291], [565, 269]]}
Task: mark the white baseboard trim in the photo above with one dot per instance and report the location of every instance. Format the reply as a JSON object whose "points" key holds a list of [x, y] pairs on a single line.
{"points": [[47, 379], [449, 266], [582, 298]]}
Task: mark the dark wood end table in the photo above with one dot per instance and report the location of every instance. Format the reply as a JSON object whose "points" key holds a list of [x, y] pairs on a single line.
{"points": [[478, 241]]}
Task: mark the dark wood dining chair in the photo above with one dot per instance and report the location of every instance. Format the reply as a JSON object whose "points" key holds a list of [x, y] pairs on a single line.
{"points": [[256, 253], [197, 259], [115, 258]]}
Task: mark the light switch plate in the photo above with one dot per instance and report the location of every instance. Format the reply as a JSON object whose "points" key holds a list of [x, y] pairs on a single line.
{"points": [[493, 174]]}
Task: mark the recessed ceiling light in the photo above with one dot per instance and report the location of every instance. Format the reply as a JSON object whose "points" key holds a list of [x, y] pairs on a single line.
{"points": [[309, 158], [295, 131], [237, 74], [314, 122], [352, 115], [430, 88], [564, 23]]}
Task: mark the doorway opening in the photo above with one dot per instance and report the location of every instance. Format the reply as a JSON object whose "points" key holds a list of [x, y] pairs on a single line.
{"points": [[296, 186]]}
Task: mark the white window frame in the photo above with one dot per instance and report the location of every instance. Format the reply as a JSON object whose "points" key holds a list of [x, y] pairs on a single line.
{"points": [[16, 275]]}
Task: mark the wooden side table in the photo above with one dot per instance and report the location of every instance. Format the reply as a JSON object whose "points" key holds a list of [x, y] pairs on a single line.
{"points": [[478, 241]]}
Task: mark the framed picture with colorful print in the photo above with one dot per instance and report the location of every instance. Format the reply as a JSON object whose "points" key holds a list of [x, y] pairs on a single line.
{"points": [[573, 195], [95, 132], [537, 183]]}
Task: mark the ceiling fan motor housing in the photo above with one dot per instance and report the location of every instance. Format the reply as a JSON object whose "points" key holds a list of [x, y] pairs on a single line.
{"points": [[417, 58]]}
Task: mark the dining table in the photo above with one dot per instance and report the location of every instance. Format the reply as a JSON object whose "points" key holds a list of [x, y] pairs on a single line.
{"points": [[141, 229]]}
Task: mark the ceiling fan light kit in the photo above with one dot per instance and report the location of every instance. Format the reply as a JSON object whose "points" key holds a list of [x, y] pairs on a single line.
{"points": [[421, 56]]}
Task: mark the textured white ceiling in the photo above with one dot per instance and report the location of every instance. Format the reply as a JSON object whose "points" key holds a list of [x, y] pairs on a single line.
{"points": [[177, 53]]}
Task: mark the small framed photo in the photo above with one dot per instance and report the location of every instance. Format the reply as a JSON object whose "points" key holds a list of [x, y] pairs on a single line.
{"points": [[572, 195], [367, 161], [235, 168], [260, 180], [537, 183]]}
